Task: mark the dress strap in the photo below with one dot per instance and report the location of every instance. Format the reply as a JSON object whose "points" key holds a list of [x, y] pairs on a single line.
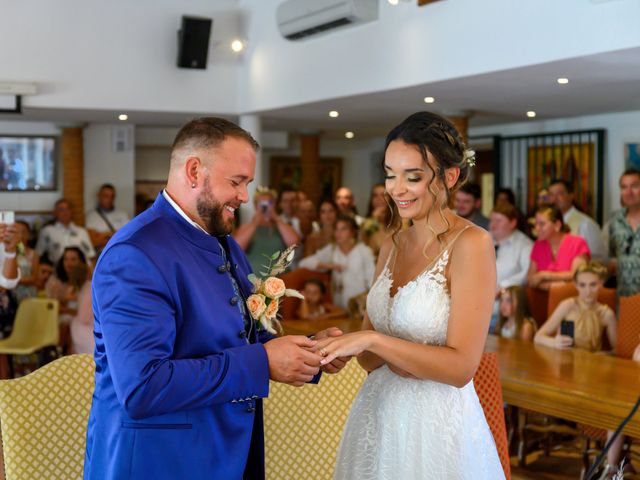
{"points": [[453, 240]]}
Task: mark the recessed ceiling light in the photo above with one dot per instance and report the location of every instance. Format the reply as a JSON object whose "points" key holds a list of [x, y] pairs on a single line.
{"points": [[334, 114], [563, 81], [394, 2], [429, 99], [237, 45], [349, 135], [123, 117], [531, 114]]}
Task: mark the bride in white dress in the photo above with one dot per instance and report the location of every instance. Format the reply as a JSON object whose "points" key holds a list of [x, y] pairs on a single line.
{"points": [[417, 415]]}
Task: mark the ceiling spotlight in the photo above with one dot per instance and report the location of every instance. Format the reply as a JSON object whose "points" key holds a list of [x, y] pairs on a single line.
{"points": [[349, 135], [563, 81], [429, 99], [123, 117], [237, 45], [334, 114], [531, 114], [393, 2]]}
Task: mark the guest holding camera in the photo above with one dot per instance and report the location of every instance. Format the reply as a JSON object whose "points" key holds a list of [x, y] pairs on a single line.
{"points": [[267, 232], [580, 321]]}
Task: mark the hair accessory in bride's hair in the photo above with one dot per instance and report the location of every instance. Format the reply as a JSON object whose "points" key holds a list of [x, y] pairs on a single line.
{"points": [[469, 156]]}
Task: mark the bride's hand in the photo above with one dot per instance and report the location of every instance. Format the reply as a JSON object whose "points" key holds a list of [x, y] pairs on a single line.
{"points": [[351, 344]]}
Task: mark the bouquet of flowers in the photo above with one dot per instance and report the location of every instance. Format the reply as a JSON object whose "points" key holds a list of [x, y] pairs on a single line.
{"points": [[268, 291]]}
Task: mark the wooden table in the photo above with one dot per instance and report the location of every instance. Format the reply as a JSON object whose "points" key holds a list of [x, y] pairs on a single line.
{"points": [[577, 385]]}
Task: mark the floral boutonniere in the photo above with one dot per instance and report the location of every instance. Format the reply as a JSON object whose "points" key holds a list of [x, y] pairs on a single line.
{"points": [[268, 291]]}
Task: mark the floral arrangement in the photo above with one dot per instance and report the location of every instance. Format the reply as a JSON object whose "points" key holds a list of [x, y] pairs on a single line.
{"points": [[470, 157], [268, 291]]}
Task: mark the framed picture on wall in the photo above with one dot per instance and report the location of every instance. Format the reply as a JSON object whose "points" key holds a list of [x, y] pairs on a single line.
{"points": [[286, 173], [632, 155], [27, 163]]}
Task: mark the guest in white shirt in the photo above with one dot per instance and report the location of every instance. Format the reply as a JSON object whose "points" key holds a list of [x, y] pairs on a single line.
{"points": [[105, 220], [513, 250], [9, 273], [562, 196], [351, 263], [53, 239]]}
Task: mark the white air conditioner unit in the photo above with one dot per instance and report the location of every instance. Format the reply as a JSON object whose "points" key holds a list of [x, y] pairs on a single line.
{"points": [[302, 18]]}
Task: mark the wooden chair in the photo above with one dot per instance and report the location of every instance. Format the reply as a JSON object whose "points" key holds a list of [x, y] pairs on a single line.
{"points": [[303, 426], [487, 385], [557, 293], [44, 420], [295, 279], [628, 326], [538, 301]]}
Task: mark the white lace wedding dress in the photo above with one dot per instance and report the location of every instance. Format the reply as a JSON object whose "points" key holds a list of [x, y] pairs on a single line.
{"points": [[404, 429]]}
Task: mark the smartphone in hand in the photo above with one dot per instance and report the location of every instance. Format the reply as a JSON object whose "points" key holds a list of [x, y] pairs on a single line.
{"points": [[567, 328]]}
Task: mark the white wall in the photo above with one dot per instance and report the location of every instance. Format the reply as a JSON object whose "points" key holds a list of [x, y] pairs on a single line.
{"points": [[620, 128], [117, 54], [104, 165], [410, 45], [32, 201]]}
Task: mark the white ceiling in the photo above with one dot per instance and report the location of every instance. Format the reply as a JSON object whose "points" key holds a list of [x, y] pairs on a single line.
{"points": [[608, 82]]}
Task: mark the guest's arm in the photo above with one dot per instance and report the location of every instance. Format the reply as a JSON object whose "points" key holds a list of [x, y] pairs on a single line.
{"points": [[10, 275], [612, 327], [548, 334], [288, 233]]}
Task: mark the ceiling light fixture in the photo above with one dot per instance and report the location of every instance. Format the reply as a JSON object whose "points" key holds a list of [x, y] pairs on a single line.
{"points": [[349, 135], [237, 45], [123, 117], [429, 99], [531, 114], [563, 81], [334, 114]]}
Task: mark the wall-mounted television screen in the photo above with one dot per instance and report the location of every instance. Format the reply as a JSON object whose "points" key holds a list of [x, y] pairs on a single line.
{"points": [[27, 163]]}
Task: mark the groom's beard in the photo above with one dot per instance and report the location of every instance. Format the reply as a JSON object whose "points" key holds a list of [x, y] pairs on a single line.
{"points": [[211, 213]]}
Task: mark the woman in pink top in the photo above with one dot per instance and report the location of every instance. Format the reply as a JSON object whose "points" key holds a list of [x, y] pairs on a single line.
{"points": [[556, 254]]}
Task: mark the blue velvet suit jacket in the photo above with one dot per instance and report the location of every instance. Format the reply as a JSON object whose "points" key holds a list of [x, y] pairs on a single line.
{"points": [[178, 379]]}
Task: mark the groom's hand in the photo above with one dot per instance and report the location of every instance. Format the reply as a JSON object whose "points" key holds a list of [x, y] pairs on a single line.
{"points": [[337, 364], [291, 360]]}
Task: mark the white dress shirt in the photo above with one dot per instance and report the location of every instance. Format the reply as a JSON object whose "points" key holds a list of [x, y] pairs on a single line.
{"points": [[356, 277], [587, 228], [117, 219], [513, 255], [53, 239]]}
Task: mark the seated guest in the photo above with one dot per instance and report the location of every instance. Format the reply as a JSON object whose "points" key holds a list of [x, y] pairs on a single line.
{"points": [[9, 272], [350, 262], [327, 215], [81, 327], [267, 232], [515, 320], [505, 196], [513, 249], [288, 207], [375, 228], [71, 275], [346, 203], [468, 203], [27, 263], [562, 196], [312, 307], [589, 318], [307, 217], [556, 254], [105, 220], [542, 199], [43, 274], [53, 239]]}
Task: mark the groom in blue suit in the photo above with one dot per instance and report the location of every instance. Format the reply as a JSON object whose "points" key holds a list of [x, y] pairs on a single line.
{"points": [[180, 367]]}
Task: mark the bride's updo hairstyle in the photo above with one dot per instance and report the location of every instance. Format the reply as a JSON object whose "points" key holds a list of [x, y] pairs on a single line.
{"points": [[437, 135]]}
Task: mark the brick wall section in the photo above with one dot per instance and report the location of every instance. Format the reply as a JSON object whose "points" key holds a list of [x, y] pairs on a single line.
{"points": [[73, 167]]}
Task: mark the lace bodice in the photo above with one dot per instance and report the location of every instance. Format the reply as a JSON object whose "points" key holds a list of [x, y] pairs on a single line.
{"points": [[419, 311]]}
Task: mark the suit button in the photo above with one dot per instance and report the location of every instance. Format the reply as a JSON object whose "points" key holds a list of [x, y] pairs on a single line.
{"points": [[242, 334], [222, 269], [233, 300]]}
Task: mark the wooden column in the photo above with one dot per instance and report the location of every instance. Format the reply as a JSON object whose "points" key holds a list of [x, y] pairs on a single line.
{"points": [[462, 125], [73, 168], [310, 166]]}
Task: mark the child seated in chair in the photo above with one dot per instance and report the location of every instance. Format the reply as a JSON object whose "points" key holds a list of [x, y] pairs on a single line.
{"points": [[515, 320], [313, 307], [580, 321]]}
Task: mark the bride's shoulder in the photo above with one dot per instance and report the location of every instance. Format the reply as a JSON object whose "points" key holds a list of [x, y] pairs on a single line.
{"points": [[469, 237]]}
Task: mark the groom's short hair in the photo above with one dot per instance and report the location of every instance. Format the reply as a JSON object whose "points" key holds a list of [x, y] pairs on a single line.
{"points": [[208, 133]]}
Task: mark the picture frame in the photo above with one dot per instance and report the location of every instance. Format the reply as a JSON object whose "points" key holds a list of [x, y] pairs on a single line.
{"points": [[632, 155], [28, 163]]}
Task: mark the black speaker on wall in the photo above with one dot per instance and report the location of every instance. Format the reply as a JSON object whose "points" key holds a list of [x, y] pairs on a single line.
{"points": [[193, 42]]}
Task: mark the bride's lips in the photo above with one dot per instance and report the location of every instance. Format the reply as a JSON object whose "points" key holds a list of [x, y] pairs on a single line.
{"points": [[404, 203]]}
